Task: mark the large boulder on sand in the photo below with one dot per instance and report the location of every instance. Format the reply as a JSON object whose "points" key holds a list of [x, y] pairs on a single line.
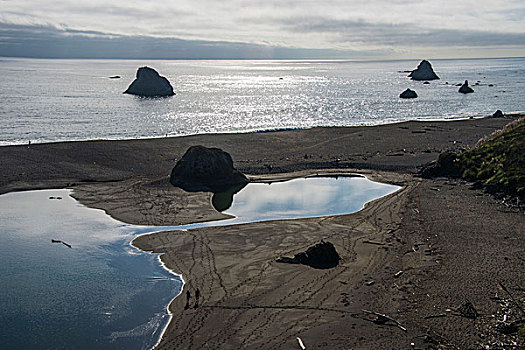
{"points": [[150, 84], [423, 71], [465, 89], [206, 169], [447, 164], [408, 94], [320, 256]]}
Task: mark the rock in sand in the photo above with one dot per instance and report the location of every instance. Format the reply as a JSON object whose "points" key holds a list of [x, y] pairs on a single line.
{"points": [[320, 256], [206, 169], [423, 71], [150, 84]]}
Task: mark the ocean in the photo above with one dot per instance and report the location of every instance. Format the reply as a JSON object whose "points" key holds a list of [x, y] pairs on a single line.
{"points": [[48, 100]]}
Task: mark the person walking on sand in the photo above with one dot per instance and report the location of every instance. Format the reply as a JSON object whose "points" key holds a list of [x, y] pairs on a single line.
{"points": [[188, 297], [197, 295]]}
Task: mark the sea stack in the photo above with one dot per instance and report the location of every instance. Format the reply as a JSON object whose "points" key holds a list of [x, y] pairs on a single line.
{"points": [[465, 89], [206, 169], [423, 71], [408, 94], [498, 114], [150, 84]]}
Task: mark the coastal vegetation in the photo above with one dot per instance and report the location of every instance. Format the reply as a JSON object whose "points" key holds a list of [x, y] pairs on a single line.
{"points": [[496, 162]]}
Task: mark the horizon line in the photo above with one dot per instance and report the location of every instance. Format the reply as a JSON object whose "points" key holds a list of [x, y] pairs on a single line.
{"points": [[304, 59]]}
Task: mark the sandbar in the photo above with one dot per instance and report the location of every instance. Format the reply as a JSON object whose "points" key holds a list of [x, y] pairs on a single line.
{"points": [[452, 244]]}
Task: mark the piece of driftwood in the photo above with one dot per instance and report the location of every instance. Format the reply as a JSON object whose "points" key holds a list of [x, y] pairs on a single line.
{"points": [[434, 338], [511, 297], [435, 316], [59, 241], [301, 344], [382, 319], [373, 242]]}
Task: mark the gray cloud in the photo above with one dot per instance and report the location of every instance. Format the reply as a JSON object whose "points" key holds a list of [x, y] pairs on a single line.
{"points": [[362, 32], [51, 42], [262, 28]]}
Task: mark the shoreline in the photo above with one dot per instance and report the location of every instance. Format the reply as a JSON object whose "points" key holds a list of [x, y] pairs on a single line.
{"points": [[101, 161], [165, 267], [251, 302], [510, 114]]}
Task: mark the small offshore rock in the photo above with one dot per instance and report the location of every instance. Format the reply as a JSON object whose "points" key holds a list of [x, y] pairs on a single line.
{"points": [[423, 71], [465, 89], [408, 94], [498, 114], [149, 83]]}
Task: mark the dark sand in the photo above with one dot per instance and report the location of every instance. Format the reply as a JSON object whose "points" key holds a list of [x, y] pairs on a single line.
{"points": [[453, 244]]}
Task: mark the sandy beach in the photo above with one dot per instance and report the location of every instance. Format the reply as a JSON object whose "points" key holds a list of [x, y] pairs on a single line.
{"points": [[416, 255]]}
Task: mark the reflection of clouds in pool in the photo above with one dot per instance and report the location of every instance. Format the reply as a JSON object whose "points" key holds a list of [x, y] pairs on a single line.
{"points": [[306, 197], [63, 219], [262, 196]]}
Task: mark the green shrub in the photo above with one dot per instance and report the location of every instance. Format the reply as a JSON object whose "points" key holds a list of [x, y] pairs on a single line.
{"points": [[499, 160]]}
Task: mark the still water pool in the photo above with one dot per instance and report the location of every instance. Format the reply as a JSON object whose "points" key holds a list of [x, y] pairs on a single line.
{"points": [[102, 293]]}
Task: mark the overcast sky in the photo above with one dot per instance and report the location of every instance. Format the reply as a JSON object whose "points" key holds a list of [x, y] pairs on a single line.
{"points": [[262, 28]]}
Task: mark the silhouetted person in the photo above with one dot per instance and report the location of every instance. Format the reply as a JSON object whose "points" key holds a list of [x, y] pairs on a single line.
{"points": [[188, 297], [197, 295]]}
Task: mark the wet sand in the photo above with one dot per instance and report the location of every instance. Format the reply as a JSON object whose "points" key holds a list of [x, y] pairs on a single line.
{"points": [[451, 243]]}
